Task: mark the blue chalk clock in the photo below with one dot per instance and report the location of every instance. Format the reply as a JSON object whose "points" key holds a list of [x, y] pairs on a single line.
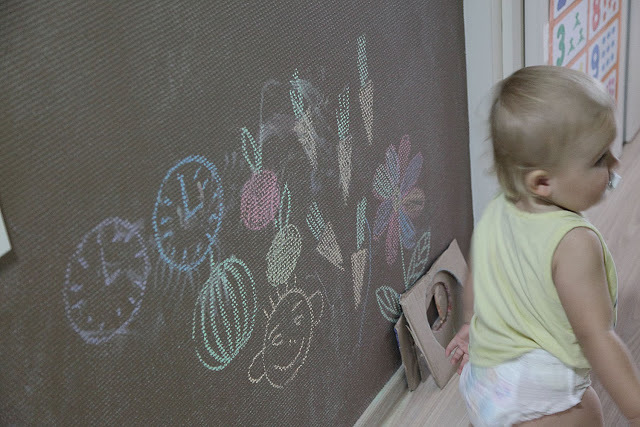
{"points": [[188, 213]]}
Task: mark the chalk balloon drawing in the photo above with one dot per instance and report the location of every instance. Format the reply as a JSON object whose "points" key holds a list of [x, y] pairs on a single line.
{"points": [[284, 252], [288, 336], [304, 125], [188, 212], [366, 88], [344, 145], [105, 280], [260, 195], [224, 314], [395, 186], [327, 243]]}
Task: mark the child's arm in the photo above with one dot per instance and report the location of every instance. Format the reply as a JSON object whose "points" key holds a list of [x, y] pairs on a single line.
{"points": [[461, 340], [580, 278]]}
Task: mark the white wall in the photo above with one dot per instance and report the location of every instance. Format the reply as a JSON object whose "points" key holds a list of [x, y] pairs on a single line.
{"points": [[632, 110]]}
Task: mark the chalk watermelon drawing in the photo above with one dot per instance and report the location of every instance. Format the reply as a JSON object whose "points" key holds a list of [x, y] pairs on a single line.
{"points": [[260, 195], [345, 143], [287, 338], [188, 212], [304, 125], [284, 252], [366, 88], [389, 303], [224, 314], [327, 243], [359, 258], [395, 186], [105, 280]]}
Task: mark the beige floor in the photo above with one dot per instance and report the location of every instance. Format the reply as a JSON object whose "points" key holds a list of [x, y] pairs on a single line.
{"points": [[618, 218]]}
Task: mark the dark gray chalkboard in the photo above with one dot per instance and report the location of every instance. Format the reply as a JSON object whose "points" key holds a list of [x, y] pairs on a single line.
{"points": [[214, 205]]}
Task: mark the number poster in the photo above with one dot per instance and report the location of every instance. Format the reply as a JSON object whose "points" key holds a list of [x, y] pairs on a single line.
{"points": [[585, 35]]}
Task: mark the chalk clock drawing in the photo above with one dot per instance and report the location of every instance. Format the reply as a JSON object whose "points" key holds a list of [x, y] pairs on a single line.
{"points": [[401, 200], [287, 337], [105, 280], [188, 212]]}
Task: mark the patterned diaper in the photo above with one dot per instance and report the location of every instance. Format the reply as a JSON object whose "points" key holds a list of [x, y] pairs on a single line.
{"points": [[526, 388]]}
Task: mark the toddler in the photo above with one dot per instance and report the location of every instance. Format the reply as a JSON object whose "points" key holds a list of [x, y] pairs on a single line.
{"points": [[540, 302]]}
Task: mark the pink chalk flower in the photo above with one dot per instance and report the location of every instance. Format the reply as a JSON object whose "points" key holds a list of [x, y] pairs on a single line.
{"points": [[395, 186]]}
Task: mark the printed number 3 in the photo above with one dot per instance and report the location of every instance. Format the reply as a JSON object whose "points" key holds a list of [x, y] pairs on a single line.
{"points": [[560, 35]]}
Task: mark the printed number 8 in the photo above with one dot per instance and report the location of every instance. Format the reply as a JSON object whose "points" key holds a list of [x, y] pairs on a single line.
{"points": [[595, 19], [560, 35], [595, 60]]}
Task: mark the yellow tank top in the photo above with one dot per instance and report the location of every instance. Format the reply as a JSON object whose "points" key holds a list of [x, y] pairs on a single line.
{"points": [[516, 305]]}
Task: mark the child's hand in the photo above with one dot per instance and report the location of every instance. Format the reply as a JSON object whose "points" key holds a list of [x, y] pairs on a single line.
{"points": [[459, 347]]}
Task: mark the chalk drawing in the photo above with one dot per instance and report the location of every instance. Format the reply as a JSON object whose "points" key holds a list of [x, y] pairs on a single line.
{"points": [[389, 303], [395, 185], [359, 258], [327, 243], [366, 88], [105, 280], [304, 126], [188, 212], [344, 145], [286, 246], [260, 195], [419, 259], [287, 337], [224, 314]]}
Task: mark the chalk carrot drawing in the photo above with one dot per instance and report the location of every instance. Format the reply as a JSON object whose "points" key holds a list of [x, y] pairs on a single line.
{"points": [[366, 88], [188, 213], [260, 195], [395, 186], [285, 249], [389, 303], [327, 243], [344, 145], [106, 279], [359, 258], [224, 314], [304, 126], [287, 338]]}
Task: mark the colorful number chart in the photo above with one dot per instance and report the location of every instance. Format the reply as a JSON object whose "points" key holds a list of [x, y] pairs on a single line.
{"points": [[585, 35]]}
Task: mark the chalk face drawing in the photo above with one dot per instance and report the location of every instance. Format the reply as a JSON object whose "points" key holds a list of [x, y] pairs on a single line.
{"points": [[286, 246], [327, 243], [359, 258], [304, 126], [260, 195], [366, 88], [344, 145], [106, 280], [224, 314], [188, 212], [287, 337], [395, 185], [389, 303]]}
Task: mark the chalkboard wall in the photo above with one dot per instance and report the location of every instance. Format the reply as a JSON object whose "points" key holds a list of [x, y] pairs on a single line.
{"points": [[213, 206]]}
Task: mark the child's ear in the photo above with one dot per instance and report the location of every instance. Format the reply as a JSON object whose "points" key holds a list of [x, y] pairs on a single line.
{"points": [[538, 182]]}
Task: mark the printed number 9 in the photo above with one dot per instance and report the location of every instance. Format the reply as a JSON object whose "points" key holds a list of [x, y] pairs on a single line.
{"points": [[560, 35], [595, 18], [595, 60]]}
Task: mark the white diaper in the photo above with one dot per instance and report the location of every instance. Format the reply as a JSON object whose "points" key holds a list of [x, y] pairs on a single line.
{"points": [[526, 388]]}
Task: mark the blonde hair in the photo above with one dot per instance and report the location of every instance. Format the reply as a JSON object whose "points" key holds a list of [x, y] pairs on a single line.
{"points": [[539, 116]]}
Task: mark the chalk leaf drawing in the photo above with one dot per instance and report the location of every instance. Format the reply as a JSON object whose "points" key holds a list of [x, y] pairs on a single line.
{"points": [[188, 212], [389, 303], [260, 195], [345, 143], [287, 337], [419, 259], [359, 258], [303, 127], [395, 185], [224, 313], [106, 279], [286, 246], [327, 243], [366, 88]]}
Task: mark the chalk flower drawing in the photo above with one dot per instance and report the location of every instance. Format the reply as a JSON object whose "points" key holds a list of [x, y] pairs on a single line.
{"points": [[402, 201], [287, 337], [224, 315], [389, 303]]}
